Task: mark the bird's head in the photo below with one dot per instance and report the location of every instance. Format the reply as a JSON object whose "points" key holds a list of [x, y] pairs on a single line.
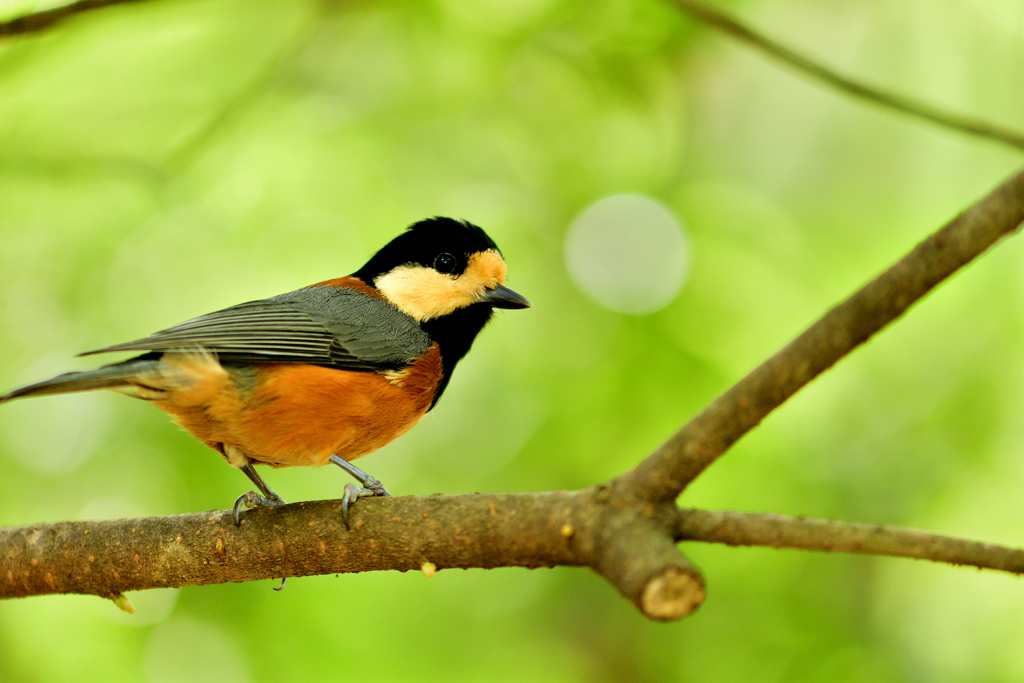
{"points": [[439, 266]]}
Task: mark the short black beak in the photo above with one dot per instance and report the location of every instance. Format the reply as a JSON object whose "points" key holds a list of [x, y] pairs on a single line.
{"points": [[503, 297]]}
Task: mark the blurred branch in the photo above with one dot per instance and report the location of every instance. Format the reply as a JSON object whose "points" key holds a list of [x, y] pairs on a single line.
{"points": [[728, 24], [38, 21], [781, 531], [677, 462]]}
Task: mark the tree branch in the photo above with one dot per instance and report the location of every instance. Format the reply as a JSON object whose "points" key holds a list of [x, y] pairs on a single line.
{"points": [[581, 528], [38, 21], [781, 531], [678, 461], [635, 551], [108, 557], [730, 25]]}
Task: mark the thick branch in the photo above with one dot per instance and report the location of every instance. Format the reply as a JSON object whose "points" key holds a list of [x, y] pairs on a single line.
{"points": [[38, 21], [516, 530], [631, 547], [735, 28], [677, 462], [781, 531], [108, 557]]}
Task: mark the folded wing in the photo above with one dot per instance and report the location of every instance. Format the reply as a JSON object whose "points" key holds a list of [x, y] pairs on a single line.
{"points": [[324, 325]]}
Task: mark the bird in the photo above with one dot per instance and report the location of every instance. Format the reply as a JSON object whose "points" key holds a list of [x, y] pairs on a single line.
{"points": [[327, 373]]}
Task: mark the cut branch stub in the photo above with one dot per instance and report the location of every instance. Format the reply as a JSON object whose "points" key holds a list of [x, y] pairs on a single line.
{"points": [[635, 550], [647, 568]]}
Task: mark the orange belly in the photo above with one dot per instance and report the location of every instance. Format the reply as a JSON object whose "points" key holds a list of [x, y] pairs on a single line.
{"points": [[285, 415]]}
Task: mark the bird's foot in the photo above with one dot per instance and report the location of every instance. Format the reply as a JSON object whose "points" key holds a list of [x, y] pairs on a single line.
{"points": [[369, 486], [353, 492], [251, 499]]}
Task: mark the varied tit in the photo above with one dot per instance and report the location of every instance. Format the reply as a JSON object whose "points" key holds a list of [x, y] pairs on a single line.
{"points": [[327, 373]]}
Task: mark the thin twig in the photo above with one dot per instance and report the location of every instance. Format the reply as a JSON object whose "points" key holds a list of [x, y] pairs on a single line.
{"points": [[781, 531], [965, 124], [677, 462], [38, 21]]}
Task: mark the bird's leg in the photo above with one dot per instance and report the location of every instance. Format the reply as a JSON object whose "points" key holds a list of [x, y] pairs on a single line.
{"points": [[369, 486], [251, 499], [372, 484]]}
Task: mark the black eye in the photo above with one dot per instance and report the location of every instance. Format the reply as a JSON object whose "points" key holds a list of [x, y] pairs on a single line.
{"points": [[445, 263]]}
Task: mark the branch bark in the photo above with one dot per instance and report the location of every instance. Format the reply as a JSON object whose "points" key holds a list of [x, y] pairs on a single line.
{"points": [[108, 557], [732, 26], [633, 549]]}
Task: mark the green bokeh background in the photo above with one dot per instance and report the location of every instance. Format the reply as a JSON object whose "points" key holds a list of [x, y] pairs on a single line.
{"points": [[161, 160]]}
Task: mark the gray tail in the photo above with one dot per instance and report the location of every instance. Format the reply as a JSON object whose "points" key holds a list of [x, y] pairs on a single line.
{"points": [[107, 377]]}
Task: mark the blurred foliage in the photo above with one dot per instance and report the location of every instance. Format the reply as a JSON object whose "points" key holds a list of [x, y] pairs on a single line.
{"points": [[164, 159]]}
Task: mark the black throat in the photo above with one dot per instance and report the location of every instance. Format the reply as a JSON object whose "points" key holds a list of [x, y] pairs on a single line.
{"points": [[454, 334]]}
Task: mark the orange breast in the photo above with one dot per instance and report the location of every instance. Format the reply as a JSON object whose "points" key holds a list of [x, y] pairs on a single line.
{"points": [[286, 414]]}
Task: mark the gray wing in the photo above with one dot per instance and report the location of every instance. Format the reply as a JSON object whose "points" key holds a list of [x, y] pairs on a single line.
{"points": [[322, 325]]}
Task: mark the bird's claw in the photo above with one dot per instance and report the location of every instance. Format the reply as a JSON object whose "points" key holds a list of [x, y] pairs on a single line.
{"points": [[354, 492], [374, 486], [251, 499]]}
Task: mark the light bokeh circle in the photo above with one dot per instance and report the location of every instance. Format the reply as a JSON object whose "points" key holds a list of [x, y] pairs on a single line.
{"points": [[628, 253]]}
